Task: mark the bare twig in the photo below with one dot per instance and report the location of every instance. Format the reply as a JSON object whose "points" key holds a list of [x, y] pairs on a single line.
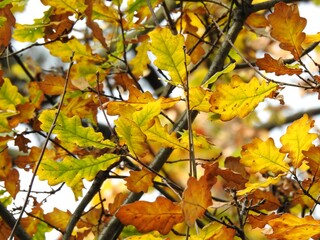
{"points": [[43, 149]]}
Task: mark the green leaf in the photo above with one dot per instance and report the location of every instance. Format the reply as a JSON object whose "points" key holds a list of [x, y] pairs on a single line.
{"points": [[28, 32], [9, 96], [72, 171], [70, 130]]}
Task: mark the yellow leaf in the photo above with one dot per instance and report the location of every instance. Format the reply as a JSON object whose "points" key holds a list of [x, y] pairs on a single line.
{"points": [[263, 156], [160, 215], [144, 117], [9, 96], [159, 134], [58, 218], [140, 62], [215, 77], [137, 100], [199, 99], [140, 181], [287, 27], [66, 50], [312, 38], [256, 185], [169, 51], [298, 139], [130, 134], [288, 227], [214, 231], [238, 98], [62, 6]]}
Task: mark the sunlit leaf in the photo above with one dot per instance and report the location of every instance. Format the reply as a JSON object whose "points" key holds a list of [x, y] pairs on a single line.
{"points": [[54, 85], [263, 156], [169, 51], [287, 27], [160, 215], [71, 170], [140, 62], [290, 227], [118, 200], [140, 181], [238, 98], [70, 48], [256, 185], [5, 164], [269, 64], [199, 99], [71, 130], [298, 139], [63, 6], [160, 135], [144, 117], [58, 218]]}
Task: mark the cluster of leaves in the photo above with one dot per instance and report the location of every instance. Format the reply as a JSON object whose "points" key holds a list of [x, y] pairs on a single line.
{"points": [[125, 105]]}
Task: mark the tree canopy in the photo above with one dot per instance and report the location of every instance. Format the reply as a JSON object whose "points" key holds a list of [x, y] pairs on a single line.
{"points": [[157, 115]]}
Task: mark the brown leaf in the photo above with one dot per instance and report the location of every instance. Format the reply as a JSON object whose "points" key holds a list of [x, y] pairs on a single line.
{"points": [[197, 196], [257, 20], [270, 65], [5, 29], [5, 163], [140, 181], [160, 215], [22, 143], [60, 25], [261, 220]]}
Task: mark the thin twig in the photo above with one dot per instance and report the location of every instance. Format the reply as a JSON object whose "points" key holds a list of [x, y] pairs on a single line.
{"points": [[43, 149]]}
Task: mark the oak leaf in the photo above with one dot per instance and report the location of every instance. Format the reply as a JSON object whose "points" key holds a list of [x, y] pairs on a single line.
{"points": [[214, 231], [257, 20], [71, 130], [250, 187], [270, 65], [263, 156], [12, 182], [169, 51], [5, 164], [72, 171], [63, 6], [58, 218], [287, 27], [140, 181], [54, 84], [199, 99], [196, 198], [9, 96], [298, 139], [6, 27], [289, 227], [160, 215], [238, 98], [140, 62], [130, 134], [117, 202]]}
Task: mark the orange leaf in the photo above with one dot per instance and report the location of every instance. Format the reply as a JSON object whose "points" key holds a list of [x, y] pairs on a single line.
{"points": [[160, 215], [257, 20], [287, 27], [58, 218], [269, 64], [291, 227], [12, 182], [117, 202], [140, 180], [54, 85], [298, 139], [197, 196], [5, 29]]}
